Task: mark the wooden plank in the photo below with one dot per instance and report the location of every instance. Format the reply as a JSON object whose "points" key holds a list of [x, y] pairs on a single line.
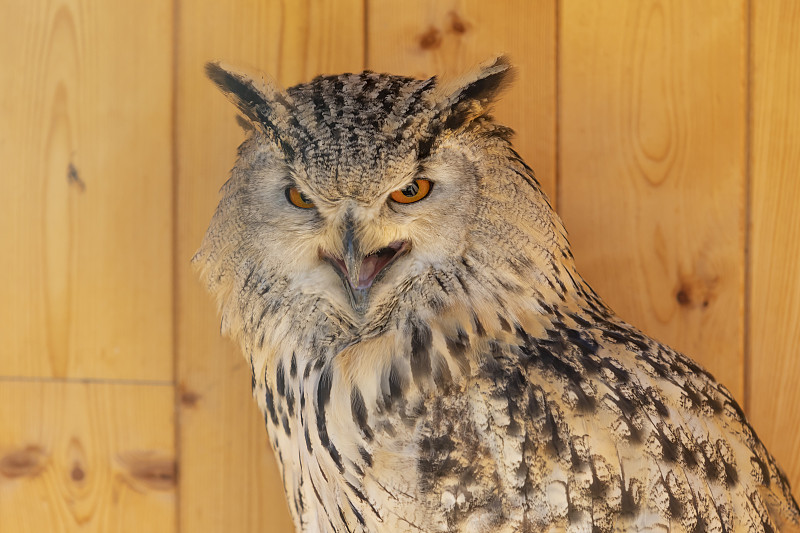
{"points": [[774, 252], [86, 457], [229, 480], [86, 209], [652, 158], [421, 38]]}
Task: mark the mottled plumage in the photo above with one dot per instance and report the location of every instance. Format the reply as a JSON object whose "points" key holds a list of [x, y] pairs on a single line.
{"points": [[440, 365]]}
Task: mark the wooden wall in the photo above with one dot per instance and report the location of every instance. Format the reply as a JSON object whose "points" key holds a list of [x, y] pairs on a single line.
{"points": [[666, 132]]}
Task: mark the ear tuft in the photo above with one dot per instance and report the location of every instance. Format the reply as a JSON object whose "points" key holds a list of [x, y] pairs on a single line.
{"points": [[486, 83], [472, 95], [262, 103], [240, 89]]}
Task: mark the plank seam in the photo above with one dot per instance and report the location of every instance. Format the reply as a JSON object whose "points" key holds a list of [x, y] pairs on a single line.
{"points": [[748, 215], [176, 416], [557, 125]]}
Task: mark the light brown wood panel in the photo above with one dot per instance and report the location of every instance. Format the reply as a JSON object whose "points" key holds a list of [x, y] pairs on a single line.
{"points": [[86, 457], [652, 158], [229, 480], [447, 38], [86, 209], [774, 252]]}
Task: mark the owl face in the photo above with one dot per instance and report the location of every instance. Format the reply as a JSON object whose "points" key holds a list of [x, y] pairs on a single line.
{"points": [[369, 193], [360, 248]]}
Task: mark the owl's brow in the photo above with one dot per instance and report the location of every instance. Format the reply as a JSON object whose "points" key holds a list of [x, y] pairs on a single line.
{"points": [[402, 181]]}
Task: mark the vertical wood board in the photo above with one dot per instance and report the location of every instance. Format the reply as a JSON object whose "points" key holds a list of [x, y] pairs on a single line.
{"points": [[652, 157], [86, 210], [774, 255]]}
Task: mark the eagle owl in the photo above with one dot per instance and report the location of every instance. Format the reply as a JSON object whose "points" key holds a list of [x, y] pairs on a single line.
{"points": [[427, 357]]}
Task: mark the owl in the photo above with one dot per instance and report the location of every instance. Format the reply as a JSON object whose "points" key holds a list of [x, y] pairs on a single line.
{"points": [[426, 356]]}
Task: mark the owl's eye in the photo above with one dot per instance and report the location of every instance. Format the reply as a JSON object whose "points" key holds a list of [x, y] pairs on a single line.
{"points": [[413, 192], [298, 199]]}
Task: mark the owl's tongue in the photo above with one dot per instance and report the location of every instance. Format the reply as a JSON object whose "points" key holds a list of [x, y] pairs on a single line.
{"points": [[377, 261]]}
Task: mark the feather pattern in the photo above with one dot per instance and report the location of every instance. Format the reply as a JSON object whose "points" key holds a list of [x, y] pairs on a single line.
{"points": [[483, 386]]}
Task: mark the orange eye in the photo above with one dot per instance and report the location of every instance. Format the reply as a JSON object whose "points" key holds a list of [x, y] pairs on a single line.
{"points": [[413, 192], [298, 199]]}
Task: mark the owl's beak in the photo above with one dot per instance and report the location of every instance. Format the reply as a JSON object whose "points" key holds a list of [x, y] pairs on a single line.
{"points": [[359, 270]]}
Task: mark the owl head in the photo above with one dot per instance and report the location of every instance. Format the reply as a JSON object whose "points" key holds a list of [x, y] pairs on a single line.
{"points": [[358, 200]]}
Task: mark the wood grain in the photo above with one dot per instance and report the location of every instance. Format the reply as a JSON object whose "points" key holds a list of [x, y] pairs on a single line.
{"points": [[652, 158], [85, 213], [774, 255], [651, 101], [229, 479], [86, 457], [447, 38]]}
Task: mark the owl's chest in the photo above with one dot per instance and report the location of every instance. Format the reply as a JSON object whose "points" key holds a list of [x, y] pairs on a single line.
{"points": [[446, 448], [415, 463], [428, 441]]}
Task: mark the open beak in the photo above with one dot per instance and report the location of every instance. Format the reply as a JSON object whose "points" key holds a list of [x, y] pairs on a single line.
{"points": [[359, 270]]}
